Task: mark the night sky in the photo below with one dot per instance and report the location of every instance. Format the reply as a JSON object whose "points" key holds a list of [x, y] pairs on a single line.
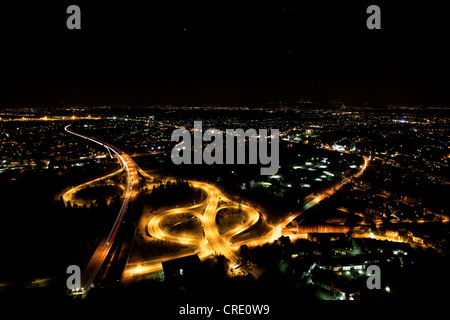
{"points": [[222, 53]]}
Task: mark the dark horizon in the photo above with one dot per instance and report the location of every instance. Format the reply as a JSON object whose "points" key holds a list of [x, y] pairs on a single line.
{"points": [[98, 89]]}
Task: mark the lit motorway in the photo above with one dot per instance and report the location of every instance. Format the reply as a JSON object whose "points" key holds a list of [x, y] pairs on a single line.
{"points": [[213, 242], [100, 254], [216, 243], [206, 211], [69, 195], [276, 231]]}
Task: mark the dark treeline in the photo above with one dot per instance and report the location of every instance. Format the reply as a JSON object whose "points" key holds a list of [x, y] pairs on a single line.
{"points": [[99, 193], [170, 193]]}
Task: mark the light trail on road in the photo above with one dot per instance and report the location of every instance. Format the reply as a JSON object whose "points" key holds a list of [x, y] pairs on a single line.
{"points": [[68, 196], [100, 254], [277, 230], [212, 243], [217, 243], [206, 212]]}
